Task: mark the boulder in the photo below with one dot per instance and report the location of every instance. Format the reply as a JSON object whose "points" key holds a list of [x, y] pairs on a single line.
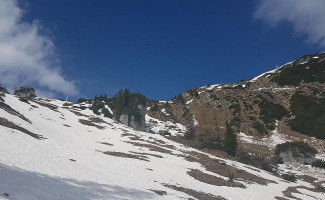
{"points": [[297, 157], [25, 92], [136, 122]]}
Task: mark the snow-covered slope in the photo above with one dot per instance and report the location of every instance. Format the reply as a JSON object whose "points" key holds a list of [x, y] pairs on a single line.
{"points": [[51, 150]]}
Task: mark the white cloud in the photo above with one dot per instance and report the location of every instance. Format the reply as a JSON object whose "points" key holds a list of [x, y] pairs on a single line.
{"points": [[28, 57], [306, 16]]}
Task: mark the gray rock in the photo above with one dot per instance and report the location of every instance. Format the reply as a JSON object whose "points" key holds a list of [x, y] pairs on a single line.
{"points": [[25, 92], [296, 157], [131, 121]]}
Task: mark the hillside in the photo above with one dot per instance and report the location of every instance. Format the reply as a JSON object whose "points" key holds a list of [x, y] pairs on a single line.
{"points": [[285, 104], [52, 149]]}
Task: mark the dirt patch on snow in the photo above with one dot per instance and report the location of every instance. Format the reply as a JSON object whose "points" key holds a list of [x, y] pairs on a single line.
{"points": [[48, 105], [125, 155], [151, 147], [6, 123], [159, 192], [11, 111], [223, 169], [212, 180], [147, 154], [194, 193], [78, 113], [106, 143], [90, 123]]}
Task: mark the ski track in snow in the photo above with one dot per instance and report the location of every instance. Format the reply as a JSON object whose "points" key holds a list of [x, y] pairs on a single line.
{"points": [[70, 163]]}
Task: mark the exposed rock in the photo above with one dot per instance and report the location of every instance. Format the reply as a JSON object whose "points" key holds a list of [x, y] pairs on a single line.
{"points": [[296, 157], [136, 122], [3, 90], [25, 92]]}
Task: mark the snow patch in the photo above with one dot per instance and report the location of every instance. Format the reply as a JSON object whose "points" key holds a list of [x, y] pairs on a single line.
{"points": [[189, 101]]}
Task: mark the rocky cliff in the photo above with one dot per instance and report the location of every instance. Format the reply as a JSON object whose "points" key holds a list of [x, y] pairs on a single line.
{"points": [[25, 92], [289, 100]]}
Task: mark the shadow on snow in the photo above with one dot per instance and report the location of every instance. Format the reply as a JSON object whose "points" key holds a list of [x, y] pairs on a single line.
{"points": [[19, 184]]}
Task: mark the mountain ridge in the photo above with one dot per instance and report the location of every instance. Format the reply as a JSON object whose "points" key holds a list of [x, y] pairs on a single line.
{"points": [[53, 149]]}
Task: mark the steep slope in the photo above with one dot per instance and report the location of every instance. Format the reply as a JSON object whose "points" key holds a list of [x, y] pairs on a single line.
{"points": [[285, 104], [55, 150]]}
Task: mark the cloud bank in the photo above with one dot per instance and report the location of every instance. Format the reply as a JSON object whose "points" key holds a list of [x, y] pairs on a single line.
{"points": [[306, 16], [28, 57]]}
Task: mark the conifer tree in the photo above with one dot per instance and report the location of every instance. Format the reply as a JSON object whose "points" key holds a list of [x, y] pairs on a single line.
{"points": [[230, 140]]}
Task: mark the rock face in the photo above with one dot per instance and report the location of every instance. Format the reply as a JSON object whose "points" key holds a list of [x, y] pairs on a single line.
{"points": [[136, 122], [296, 157], [255, 106], [3, 90], [25, 92]]}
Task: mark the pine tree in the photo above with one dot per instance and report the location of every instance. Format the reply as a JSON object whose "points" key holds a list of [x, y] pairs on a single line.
{"points": [[230, 141]]}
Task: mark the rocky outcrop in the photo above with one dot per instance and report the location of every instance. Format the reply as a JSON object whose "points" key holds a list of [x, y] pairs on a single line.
{"points": [[254, 106], [25, 92], [296, 157], [3, 90], [136, 122]]}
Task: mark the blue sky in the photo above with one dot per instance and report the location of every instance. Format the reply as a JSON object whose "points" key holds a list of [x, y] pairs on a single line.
{"points": [[161, 48]]}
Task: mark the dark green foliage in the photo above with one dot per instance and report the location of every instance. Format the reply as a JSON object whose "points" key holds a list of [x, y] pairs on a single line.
{"points": [[179, 99], [319, 188], [267, 167], [238, 87], [262, 163], [117, 104], [235, 121], [230, 142], [309, 115], [81, 100], [296, 146], [269, 111], [260, 128], [289, 177], [25, 90], [106, 113], [154, 108], [270, 126], [236, 106], [318, 163], [248, 106], [193, 92], [127, 103], [167, 106], [190, 133], [231, 177], [214, 97], [185, 111], [277, 160], [96, 106], [102, 98], [298, 73]]}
